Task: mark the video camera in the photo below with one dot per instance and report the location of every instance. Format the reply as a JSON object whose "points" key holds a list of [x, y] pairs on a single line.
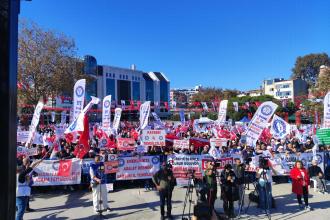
{"points": [[264, 162]]}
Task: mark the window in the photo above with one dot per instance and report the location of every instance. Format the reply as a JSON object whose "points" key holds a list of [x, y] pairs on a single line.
{"points": [[163, 91], [110, 87], [136, 90]]}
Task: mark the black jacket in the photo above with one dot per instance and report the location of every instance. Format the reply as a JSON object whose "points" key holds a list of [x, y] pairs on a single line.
{"points": [[314, 171]]}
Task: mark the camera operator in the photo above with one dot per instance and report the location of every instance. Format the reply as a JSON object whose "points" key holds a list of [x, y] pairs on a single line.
{"points": [[264, 176], [211, 183], [229, 191], [239, 170], [165, 182]]}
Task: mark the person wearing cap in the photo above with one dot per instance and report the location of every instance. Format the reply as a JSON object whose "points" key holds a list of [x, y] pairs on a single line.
{"points": [[165, 182], [229, 190], [316, 173], [98, 184]]}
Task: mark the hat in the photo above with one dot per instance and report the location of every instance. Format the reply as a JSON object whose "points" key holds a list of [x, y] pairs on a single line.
{"points": [[269, 148]]}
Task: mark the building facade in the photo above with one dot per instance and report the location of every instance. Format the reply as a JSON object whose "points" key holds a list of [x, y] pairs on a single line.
{"points": [[285, 89], [184, 95]]}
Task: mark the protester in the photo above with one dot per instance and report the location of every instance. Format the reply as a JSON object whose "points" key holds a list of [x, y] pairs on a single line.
{"points": [[98, 184], [165, 182], [23, 187], [239, 170], [229, 191], [300, 183], [211, 184], [316, 174]]}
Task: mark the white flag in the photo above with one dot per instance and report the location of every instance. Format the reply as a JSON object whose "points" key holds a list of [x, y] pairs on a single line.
{"points": [[106, 114], [326, 114], [205, 108], [123, 104], [259, 122], [144, 114], [53, 116], [222, 111], [78, 123], [63, 117], [235, 104], [279, 128], [38, 139], [116, 119], [34, 122], [78, 98]]}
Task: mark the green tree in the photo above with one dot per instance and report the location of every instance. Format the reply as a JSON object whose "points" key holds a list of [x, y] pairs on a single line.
{"points": [[210, 94], [307, 67], [323, 83]]}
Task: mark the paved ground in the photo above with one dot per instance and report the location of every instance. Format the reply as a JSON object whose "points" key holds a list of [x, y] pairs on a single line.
{"points": [[137, 204]]}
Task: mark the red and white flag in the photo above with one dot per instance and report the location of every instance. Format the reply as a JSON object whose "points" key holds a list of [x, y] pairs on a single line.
{"points": [[65, 168]]}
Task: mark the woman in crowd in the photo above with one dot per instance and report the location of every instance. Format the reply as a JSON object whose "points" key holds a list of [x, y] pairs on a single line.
{"points": [[300, 182]]}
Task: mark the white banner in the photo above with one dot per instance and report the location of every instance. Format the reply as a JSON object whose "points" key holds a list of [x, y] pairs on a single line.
{"points": [[22, 136], [78, 123], [106, 114], [218, 142], [34, 122], [27, 152], [259, 122], [182, 144], [48, 173], [222, 111], [235, 104], [53, 114], [326, 116], [144, 114], [131, 168], [116, 119], [184, 165], [153, 137], [63, 117], [78, 98], [38, 139], [279, 128]]}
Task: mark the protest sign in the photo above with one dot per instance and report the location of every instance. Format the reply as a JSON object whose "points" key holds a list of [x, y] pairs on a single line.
{"points": [[27, 152], [48, 171], [182, 144], [22, 136], [323, 135], [259, 122], [111, 166], [153, 137], [125, 144], [218, 142], [131, 168], [184, 165]]}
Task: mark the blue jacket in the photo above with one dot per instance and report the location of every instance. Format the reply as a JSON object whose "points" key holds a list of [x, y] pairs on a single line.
{"points": [[97, 169]]}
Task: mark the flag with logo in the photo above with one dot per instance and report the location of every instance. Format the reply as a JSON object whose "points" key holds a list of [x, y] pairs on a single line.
{"points": [[279, 127], [222, 111], [326, 111], [106, 114], [78, 98], [204, 105], [144, 114], [235, 104], [182, 118], [78, 123]]}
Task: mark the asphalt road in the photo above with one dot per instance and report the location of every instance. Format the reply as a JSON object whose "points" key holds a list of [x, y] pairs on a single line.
{"points": [[142, 205]]}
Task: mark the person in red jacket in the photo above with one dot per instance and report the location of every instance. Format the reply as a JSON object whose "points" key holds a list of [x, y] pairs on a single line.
{"points": [[300, 182]]}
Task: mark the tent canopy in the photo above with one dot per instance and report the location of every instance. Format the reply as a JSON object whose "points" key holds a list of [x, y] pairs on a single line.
{"points": [[245, 119]]}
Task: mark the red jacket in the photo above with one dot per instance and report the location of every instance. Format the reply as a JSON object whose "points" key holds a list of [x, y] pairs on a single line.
{"points": [[297, 181]]}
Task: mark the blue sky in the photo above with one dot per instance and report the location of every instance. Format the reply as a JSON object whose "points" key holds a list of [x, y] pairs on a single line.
{"points": [[228, 44]]}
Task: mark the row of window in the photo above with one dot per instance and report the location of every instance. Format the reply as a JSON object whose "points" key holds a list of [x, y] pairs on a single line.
{"points": [[288, 93], [122, 76]]}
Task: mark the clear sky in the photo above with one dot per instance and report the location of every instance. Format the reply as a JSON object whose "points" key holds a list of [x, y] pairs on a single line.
{"points": [[219, 43]]}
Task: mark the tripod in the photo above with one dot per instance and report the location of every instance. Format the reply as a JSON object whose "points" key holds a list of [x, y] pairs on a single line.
{"points": [[266, 208], [188, 197]]}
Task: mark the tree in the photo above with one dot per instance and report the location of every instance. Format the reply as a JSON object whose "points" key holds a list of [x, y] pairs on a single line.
{"points": [[308, 67], [47, 63], [211, 94], [323, 84]]}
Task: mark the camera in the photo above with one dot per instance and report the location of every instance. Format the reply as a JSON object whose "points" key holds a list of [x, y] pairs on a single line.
{"points": [[264, 163]]}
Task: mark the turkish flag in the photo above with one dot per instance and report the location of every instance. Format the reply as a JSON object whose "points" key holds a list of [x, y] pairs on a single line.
{"points": [[65, 168], [83, 147], [166, 105], [131, 104]]}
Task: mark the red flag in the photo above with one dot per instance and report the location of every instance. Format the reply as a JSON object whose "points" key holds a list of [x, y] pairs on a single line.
{"points": [[138, 104], [131, 104], [258, 104], [83, 147], [65, 168], [166, 105]]}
